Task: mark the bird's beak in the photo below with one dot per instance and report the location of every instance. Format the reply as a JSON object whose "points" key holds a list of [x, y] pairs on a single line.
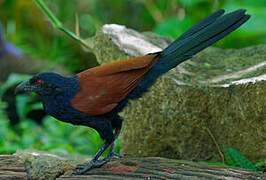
{"points": [[23, 88]]}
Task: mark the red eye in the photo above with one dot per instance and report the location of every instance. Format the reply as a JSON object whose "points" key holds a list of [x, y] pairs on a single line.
{"points": [[38, 82]]}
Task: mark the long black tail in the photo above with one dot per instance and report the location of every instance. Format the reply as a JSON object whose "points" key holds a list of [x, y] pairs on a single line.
{"points": [[203, 34]]}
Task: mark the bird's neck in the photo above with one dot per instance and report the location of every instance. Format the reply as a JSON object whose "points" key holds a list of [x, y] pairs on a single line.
{"points": [[59, 105]]}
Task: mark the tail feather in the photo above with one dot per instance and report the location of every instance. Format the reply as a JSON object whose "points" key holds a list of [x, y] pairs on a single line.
{"points": [[219, 36], [199, 26], [180, 49], [203, 34]]}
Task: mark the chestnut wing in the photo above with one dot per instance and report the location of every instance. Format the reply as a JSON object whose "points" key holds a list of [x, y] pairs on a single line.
{"points": [[103, 87]]}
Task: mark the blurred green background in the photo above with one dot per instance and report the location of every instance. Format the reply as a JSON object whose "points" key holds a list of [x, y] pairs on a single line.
{"points": [[26, 27]]}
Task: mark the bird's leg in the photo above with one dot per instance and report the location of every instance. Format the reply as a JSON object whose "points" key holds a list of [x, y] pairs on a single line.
{"points": [[95, 162], [111, 153]]}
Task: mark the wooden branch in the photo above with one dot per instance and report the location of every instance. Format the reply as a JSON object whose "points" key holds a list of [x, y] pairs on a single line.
{"points": [[162, 168], [12, 167]]}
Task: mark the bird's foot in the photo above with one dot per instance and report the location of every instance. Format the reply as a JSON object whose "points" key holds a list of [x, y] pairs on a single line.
{"points": [[91, 165], [98, 163], [118, 156]]}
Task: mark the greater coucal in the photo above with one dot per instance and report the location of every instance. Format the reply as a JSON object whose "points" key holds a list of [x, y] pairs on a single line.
{"points": [[94, 97]]}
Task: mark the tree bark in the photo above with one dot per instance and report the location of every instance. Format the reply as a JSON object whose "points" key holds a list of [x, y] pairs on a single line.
{"points": [[12, 167], [162, 168]]}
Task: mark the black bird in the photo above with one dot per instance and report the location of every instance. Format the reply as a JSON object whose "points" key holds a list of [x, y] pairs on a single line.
{"points": [[94, 97]]}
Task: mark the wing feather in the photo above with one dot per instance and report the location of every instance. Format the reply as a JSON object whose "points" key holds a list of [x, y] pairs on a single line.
{"points": [[103, 87]]}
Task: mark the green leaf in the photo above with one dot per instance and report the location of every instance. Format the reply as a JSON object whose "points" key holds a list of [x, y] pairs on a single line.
{"points": [[236, 159], [261, 166]]}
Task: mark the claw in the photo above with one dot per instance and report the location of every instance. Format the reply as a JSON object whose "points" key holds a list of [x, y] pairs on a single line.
{"points": [[91, 165], [118, 156], [98, 163]]}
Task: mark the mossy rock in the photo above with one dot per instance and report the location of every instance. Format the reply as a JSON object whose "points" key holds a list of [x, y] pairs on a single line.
{"points": [[115, 42], [192, 111], [47, 166], [217, 98]]}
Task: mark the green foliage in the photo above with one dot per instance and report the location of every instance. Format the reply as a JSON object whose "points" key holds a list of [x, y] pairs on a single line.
{"points": [[261, 166], [236, 159], [13, 80], [168, 28]]}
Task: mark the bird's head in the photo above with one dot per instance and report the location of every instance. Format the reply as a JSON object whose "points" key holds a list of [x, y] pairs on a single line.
{"points": [[44, 84]]}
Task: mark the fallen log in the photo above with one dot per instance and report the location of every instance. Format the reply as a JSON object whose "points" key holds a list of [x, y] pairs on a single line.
{"points": [[43, 165], [163, 168]]}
